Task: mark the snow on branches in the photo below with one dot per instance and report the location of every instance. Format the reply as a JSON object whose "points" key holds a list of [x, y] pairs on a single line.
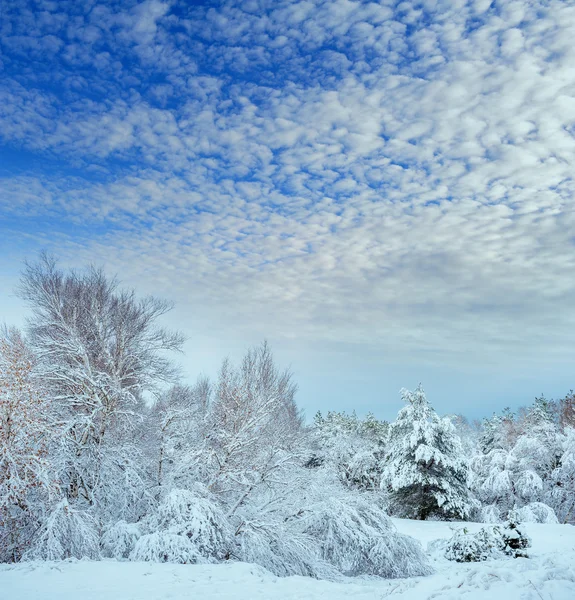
{"points": [[25, 433], [99, 457], [425, 471]]}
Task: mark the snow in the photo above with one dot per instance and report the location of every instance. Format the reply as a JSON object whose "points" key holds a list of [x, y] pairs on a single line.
{"points": [[547, 575]]}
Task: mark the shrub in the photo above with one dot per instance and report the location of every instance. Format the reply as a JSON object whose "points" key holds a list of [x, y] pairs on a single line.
{"points": [[188, 527], [166, 547], [194, 515], [473, 547], [488, 542], [537, 512], [358, 538], [67, 533], [280, 551], [515, 540], [119, 540]]}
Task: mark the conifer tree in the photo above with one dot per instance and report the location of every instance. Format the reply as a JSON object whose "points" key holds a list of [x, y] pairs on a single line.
{"points": [[425, 472]]}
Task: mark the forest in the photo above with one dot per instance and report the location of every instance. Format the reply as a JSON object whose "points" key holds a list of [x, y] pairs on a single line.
{"points": [[105, 453]]}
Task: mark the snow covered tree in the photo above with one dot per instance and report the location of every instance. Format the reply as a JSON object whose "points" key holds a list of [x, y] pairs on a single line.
{"points": [[188, 527], [120, 539], [355, 446], [567, 411], [66, 533], [516, 471], [425, 471], [25, 432], [98, 350], [357, 537], [165, 547], [537, 512], [253, 429], [321, 528], [561, 494], [538, 447], [175, 426]]}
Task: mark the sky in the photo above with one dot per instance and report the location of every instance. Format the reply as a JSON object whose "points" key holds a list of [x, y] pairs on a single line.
{"points": [[382, 190]]}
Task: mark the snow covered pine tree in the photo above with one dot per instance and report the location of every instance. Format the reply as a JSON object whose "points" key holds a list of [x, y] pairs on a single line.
{"points": [[425, 472]]}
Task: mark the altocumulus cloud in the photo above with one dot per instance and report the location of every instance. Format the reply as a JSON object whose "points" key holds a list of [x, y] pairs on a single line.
{"points": [[397, 176]]}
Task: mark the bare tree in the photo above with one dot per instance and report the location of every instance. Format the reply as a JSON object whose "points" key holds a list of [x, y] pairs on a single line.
{"points": [[25, 433], [98, 350], [255, 427], [175, 423]]}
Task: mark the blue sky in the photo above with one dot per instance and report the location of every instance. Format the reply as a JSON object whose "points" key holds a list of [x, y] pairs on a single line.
{"points": [[382, 190]]}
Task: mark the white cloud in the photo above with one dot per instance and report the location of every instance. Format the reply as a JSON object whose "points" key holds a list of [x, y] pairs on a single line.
{"points": [[334, 172]]}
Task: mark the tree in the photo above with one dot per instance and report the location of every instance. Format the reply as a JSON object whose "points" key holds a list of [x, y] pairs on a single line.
{"points": [[253, 429], [25, 432], [538, 447], [516, 471], [562, 489], [567, 410], [425, 470], [175, 425], [354, 446], [98, 350]]}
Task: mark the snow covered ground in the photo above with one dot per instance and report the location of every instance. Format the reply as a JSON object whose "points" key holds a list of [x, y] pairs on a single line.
{"points": [[548, 575]]}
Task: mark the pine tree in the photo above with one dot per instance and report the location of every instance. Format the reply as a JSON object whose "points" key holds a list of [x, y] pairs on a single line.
{"points": [[425, 471]]}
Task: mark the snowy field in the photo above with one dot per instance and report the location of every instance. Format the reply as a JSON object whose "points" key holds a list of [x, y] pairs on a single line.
{"points": [[549, 574]]}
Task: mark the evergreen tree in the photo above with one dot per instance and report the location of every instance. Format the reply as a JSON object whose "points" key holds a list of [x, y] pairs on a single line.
{"points": [[425, 470]]}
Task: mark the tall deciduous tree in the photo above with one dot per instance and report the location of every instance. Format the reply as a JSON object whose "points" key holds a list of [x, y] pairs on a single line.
{"points": [[25, 432], [254, 426], [98, 350]]}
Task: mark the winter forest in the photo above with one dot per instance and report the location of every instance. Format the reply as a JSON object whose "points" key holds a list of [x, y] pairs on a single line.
{"points": [[104, 453]]}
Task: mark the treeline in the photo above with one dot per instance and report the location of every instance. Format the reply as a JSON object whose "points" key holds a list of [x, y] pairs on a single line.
{"points": [[520, 464], [104, 453]]}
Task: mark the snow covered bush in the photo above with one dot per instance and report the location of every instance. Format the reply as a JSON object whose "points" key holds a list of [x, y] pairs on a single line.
{"points": [[514, 538], [489, 542], [425, 472], [163, 546], [537, 512], [281, 550], [358, 538], [120, 539], [66, 533], [192, 516], [474, 547]]}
